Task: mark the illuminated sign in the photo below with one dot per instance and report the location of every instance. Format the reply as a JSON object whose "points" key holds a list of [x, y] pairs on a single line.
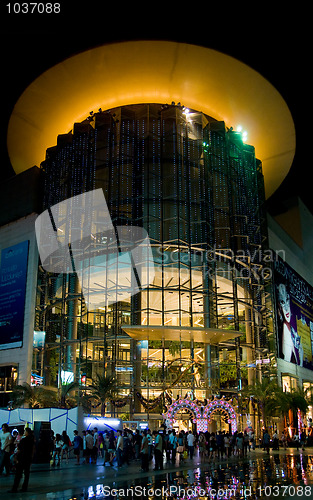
{"points": [[39, 339], [67, 377], [103, 423], [13, 274]]}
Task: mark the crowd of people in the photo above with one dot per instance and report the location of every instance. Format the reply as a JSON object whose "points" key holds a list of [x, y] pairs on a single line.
{"points": [[16, 454], [151, 449], [122, 447]]}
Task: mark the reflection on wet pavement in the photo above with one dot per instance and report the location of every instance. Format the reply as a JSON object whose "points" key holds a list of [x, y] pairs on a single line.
{"points": [[279, 476]]}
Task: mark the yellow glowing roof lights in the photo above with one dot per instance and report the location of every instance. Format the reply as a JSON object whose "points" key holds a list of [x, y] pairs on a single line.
{"points": [[153, 71]]}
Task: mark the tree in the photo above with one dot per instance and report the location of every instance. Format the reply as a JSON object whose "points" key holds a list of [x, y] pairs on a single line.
{"points": [[265, 394], [33, 396], [62, 397], [102, 389], [291, 402]]}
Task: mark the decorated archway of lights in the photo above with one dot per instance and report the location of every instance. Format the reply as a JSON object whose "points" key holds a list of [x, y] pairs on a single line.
{"points": [[202, 415]]}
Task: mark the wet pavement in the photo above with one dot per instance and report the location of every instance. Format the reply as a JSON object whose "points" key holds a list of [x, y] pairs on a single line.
{"points": [[283, 474]]}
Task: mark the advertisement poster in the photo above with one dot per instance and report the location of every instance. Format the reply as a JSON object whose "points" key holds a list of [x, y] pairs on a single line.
{"points": [[13, 273], [294, 301]]}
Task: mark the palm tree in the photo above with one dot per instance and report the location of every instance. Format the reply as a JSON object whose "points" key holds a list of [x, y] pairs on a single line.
{"points": [[265, 394], [34, 396], [61, 397], [102, 389], [291, 402]]}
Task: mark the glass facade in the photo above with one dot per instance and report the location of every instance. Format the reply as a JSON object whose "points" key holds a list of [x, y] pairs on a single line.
{"points": [[198, 190]]}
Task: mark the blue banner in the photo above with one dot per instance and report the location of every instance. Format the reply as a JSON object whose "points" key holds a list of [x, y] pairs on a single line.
{"points": [[13, 276]]}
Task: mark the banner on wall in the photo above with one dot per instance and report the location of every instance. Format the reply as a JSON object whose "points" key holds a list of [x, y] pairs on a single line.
{"points": [[13, 276], [294, 301]]}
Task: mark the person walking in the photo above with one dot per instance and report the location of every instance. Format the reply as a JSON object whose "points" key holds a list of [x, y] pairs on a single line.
{"points": [[239, 442], [95, 448], [158, 451], [111, 447], [246, 443], [144, 452], [119, 449], [5, 440], [150, 445], [84, 446], [212, 445], [137, 444], [266, 441], [202, 446], [181, 447], [58, 443], [190, 444], [127, 447], [89, 446], [227, 445], [167, 445], [65, 447], [101, 445], [275, 441], [77, 445], [24, 458], [172, 440], [284, 440]]}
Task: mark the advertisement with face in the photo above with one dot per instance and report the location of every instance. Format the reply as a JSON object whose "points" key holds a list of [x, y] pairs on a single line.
{"points": [[294, 302]]}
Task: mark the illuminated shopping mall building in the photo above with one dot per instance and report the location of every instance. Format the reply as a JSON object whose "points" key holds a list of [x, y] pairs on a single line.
{"points": [[206, 323], [197, 189]]}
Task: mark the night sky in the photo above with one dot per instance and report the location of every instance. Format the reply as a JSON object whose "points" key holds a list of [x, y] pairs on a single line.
{"points": [[273, 43]]}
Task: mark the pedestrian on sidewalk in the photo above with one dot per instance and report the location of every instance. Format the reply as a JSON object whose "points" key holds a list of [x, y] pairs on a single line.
{"points": [[111, 447], [181, 447], [89, 447], [137, 444], [275, 441], [5, 440], [303, 439], [158, 451], [202, 446], [95, 448], [190, 444], [119, 449], [58, 443], [284, 440], [144, 452], [24, 458], [174, 444], [127, 447], [65, 447], [150, 445], [266, 441], [77, 444]]}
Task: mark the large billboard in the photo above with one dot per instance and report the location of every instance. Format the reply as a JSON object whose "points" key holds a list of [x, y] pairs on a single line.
{"points": [[294, 301], [13, 275]]}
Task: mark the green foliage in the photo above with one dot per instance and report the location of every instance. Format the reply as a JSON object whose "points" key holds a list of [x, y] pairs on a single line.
{"points": [[264, 394], [102, 389], [35, 397], [228, 371]]}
